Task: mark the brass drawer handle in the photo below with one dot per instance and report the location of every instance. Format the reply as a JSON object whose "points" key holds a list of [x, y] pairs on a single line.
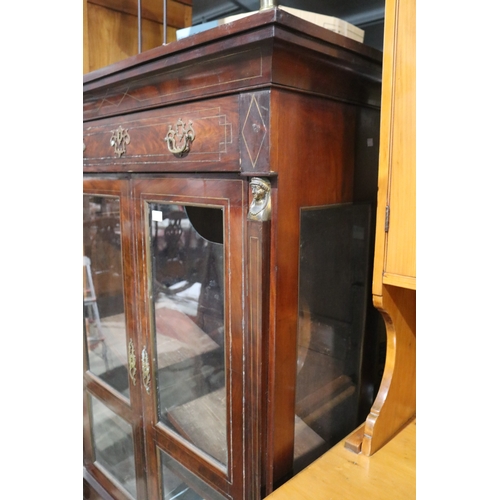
{"points": [[179, 138], [119, 140], [146, 374]]}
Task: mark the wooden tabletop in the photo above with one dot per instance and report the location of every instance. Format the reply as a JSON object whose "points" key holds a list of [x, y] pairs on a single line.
{"points": [[342, 474]]}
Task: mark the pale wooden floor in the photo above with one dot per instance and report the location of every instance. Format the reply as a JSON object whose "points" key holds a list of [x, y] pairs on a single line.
{"points": [[389, 474]]}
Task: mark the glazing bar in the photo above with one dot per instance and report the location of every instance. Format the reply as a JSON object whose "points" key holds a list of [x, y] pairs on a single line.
{"points": [[164, 22], [139, 26]]}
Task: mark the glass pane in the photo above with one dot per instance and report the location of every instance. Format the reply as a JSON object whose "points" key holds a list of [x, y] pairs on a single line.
{"points": [[180, 484], [333, 300], [113, 445], [188, 287], [103, 291]]}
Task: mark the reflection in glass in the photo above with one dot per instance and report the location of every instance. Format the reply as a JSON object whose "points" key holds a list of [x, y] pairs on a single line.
{"points": [[181, 484], [333, 300], [187, 257], [103, 291], [113, 445]]}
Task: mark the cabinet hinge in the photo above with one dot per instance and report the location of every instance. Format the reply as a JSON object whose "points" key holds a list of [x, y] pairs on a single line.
{"points": [[387, 213]]}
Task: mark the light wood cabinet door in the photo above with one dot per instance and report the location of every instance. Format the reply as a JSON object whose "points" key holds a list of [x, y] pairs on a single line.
{"points": [[395, 255], [394, 274]]}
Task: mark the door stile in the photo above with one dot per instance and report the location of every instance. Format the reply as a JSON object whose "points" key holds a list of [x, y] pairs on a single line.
{"points": [[145, 344], [134, 339], [256, 372], [258, 282]]}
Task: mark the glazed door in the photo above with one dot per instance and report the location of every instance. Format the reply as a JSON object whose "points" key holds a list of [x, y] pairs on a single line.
{"points": [[190, 233], [113, 438]]}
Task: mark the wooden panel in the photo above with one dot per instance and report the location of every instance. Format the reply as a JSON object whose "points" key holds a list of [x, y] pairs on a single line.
{"points": [[307, 70], [112, 36], [215, 146], [394, 278], [257, 350], [86, 61], [396, 400], [111, 27], [308, 175], [178, 13], [90, 493], [254, 137], [401, 235], [177, 81], [395, 255], [212, 63]]}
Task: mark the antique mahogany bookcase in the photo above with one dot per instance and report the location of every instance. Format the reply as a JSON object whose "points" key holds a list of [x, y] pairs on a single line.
{"points": [[229, 184]]}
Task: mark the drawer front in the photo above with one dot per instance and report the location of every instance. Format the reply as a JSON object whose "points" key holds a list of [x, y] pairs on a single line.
{"points": [[194, 137]]}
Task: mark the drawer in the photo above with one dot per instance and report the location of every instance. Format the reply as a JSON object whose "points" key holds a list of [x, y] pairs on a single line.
{"points": [[195, 137]]}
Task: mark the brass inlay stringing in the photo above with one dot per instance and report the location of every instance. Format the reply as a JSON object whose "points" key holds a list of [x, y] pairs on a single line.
{"points": [[260, 208], [146, 373], [179, 138], [254, 131], [132, 364], [119, 140]]}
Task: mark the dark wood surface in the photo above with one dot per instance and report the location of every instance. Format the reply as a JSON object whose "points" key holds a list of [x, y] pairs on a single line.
{"points": [[257, 369], [272, 96], [259, 25], [269, 48], [215, 147]]}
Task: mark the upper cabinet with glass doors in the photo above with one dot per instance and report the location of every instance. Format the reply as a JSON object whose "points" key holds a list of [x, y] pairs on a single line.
{"points": [[229, 189]]}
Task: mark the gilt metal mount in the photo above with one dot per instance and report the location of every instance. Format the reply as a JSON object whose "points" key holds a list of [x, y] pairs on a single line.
{"points": [[119, 140], [260, 207], [132, 364], [146, 370], [180, 137]]}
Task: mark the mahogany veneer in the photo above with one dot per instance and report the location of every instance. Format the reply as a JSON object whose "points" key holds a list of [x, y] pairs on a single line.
{"points": [[268, 96]]}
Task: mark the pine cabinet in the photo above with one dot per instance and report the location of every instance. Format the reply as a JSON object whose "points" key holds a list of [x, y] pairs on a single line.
{"points": [[394, 275], [229, 191], [395, 262]]}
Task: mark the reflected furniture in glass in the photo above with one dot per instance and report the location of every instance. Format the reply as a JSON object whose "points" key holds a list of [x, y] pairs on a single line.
{"points": [[229, 186]]}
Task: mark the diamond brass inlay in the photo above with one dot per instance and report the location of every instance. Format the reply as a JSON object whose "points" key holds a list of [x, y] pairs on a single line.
{"points": [[254, 131]]}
